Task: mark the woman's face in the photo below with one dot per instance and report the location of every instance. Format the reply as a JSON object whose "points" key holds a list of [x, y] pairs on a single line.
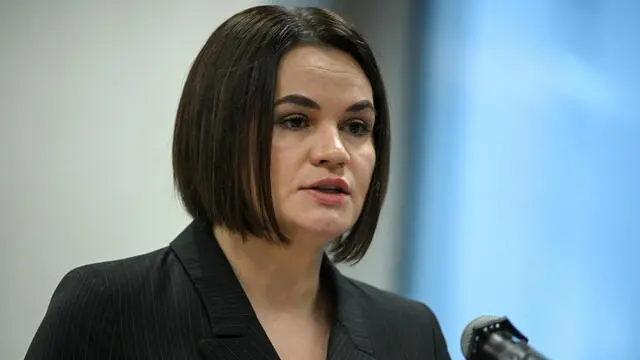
{"points": [[323, 155]]}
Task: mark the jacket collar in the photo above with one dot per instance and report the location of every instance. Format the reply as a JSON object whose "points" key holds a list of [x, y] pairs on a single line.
{"points": [[236, 329]]}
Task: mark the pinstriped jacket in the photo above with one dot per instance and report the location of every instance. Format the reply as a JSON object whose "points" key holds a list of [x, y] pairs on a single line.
{"points": [[184, 302]]}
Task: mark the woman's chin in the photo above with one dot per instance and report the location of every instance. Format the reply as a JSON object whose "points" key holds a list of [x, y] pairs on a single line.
{"points": [[319, 229]]}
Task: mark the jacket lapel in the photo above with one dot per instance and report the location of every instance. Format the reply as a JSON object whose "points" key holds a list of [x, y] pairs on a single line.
{"points": [[236, 332], [349, 335]]}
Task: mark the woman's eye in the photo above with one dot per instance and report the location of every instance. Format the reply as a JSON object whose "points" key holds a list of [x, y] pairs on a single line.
{"points": [[358, 128], [294, 123]]}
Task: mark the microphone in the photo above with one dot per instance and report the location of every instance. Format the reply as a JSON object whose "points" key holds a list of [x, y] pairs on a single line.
{"points": [[495, 338]]}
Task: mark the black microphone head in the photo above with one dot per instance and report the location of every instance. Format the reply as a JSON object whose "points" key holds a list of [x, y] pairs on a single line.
{"points": [[466, 340]]}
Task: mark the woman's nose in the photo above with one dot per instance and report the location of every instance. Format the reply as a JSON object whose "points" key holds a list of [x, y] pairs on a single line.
{"points": [[328, 148]]}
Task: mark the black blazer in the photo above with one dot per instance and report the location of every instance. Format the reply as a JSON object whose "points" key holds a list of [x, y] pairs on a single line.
{"points": [[184, 302]]}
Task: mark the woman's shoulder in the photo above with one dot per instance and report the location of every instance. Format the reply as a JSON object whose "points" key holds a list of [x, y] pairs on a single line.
{"points": [[126, 267], [385, 302], [86, 311], [96, 284], [103, 283], [409, 322], [99, 278]]}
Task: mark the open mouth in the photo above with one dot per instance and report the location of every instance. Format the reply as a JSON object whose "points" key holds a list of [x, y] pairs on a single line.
{"points": [[328, 189], [328, 195]]}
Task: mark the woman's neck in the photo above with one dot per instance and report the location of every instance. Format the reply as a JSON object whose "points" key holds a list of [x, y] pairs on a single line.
{"points": [[276, 278]]}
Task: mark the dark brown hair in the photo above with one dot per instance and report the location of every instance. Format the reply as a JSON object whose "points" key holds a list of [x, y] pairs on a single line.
{"points": [[224, 123]]}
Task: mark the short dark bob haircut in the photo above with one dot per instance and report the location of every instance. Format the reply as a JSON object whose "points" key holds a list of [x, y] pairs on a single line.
{"points": [[224, 122]]}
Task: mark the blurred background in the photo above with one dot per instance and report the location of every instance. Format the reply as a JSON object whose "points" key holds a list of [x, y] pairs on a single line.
{"points": [[515, 186]]}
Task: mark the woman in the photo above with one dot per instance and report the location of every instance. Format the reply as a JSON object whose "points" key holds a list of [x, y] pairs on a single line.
{"points": [[280, 154]]}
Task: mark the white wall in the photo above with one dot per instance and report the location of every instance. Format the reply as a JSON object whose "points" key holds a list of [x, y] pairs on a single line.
{"points": [[88, 94]]}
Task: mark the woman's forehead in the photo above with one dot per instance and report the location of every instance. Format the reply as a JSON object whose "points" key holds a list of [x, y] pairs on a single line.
{"points": [[316, 71]]}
